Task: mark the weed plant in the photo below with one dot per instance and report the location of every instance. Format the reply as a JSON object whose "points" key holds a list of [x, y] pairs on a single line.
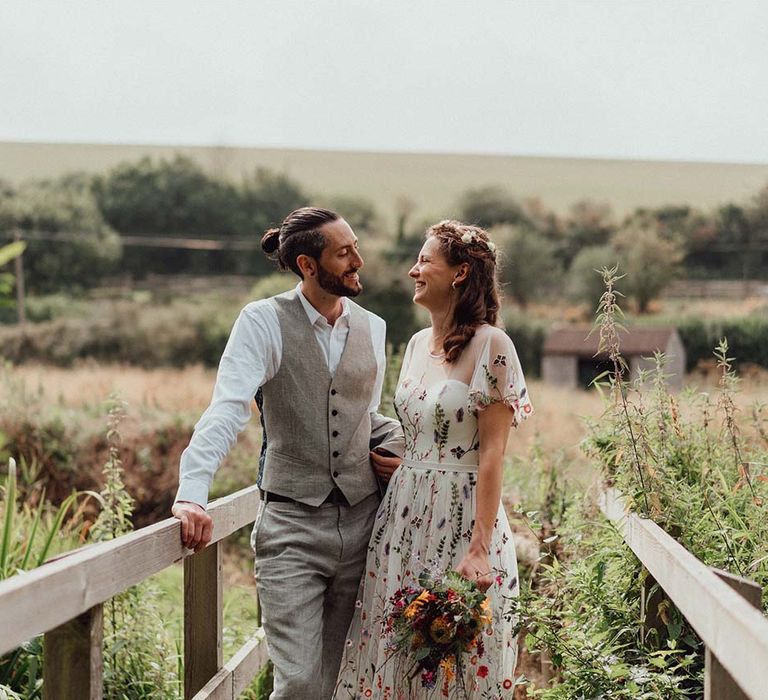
{"points": [[141, 660], [33, 530], [696, 465]]}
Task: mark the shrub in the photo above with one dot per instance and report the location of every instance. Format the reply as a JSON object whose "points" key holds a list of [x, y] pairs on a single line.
{"points": [[528, 266], [528, 335], [88, 248], [747, 339], [584, 282]]}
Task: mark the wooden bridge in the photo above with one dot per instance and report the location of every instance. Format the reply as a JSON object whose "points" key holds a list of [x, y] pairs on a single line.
{"points": [[724, 610], [63, 600]]}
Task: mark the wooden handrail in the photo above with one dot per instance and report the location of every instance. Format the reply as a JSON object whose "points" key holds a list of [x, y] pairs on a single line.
{"points": [[39, 600], [734, 631]]}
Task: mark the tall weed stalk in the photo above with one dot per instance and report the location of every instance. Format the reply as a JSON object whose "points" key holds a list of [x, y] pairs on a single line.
{"points": [[694, 462], [140, 657]]}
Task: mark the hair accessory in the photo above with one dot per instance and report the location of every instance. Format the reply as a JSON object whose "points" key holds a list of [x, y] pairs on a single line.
{"points": [[470, 237]]}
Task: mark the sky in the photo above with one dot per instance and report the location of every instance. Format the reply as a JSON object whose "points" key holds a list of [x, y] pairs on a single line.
{"points": [[639, 79]]}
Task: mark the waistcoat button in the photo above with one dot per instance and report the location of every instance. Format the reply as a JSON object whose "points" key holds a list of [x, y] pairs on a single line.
{"points": [[335, 473], [334, 412], [335, 453], [335, 433], [333, 392]]}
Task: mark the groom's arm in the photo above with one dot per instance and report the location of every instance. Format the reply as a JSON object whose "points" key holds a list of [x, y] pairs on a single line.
{"points": [[387, 442], [249, 359]]}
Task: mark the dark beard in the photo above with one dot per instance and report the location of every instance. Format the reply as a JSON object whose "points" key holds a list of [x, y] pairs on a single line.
{"points": [[334, 284]]}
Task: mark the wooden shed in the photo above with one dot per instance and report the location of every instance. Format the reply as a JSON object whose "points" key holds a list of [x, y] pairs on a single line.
{"points": [[569, 356]]}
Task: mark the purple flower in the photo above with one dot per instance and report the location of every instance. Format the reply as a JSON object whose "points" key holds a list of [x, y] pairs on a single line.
{"points": [[428, 679]]}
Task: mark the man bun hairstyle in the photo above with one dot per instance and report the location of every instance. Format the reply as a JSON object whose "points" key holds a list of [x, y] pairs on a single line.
{"points": [[299, 234], [478, 295]]}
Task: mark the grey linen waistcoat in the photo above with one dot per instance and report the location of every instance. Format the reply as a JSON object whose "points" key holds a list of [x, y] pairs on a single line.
{"points": [[318, 427]]}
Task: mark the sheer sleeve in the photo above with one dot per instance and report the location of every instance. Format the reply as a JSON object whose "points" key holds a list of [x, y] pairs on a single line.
{"points": [[407, 357], [498, 378]]}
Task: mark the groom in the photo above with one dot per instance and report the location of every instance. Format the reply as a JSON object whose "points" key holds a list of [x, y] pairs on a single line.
{"points": [[318, 360]]}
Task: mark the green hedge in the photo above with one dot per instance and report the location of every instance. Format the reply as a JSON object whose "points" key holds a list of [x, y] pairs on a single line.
{"points": [[149, 335], [184, 333], [528, 335], [747, 339]]}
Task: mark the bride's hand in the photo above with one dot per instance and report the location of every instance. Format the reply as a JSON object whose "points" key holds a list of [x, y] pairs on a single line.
{"points": [[384, 463], [476, 567]]}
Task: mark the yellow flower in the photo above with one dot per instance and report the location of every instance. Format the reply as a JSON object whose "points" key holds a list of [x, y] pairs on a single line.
{"points": [[441, 630], [487, 616], [447, 666]]}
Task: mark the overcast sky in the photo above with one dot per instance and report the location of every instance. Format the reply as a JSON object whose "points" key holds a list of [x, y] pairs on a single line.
{"points": [[668, 79]]}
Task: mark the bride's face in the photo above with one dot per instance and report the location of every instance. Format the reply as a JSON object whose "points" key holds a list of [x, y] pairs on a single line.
{"points": [[433, 276]]}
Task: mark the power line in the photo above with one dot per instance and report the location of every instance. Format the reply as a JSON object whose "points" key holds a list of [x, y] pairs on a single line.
{"points": [[149, 241]]}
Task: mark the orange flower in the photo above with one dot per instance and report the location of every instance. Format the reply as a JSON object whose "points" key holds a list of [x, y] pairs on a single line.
{"points": [[447, 666]]}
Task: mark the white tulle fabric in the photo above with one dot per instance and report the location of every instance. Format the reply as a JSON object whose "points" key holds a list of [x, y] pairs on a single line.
{"points": [[426, 518]]}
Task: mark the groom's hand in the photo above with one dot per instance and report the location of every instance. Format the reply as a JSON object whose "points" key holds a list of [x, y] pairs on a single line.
{"points": [[384, 463], [196, 524]]}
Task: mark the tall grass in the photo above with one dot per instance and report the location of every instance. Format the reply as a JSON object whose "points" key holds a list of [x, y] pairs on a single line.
{"points": [[32, 531], [696, 463]]}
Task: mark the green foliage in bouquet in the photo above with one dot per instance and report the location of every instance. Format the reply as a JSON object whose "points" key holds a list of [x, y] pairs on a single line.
{"points": [[433, 626]]}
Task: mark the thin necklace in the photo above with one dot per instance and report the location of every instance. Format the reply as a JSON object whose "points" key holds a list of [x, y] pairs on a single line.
{"points": [[435, 355]]}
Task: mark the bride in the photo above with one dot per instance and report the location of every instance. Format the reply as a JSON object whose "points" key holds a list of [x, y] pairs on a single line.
{"points": [[460, 389]]}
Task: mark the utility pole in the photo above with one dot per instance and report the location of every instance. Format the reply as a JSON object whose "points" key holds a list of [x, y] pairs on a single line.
{"points": [[20, 298]]}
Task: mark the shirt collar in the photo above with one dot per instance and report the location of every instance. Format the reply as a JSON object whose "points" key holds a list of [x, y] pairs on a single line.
{"points": [[313, 314]]}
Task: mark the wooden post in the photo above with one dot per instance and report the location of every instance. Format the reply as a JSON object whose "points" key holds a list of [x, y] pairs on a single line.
{"points": [[718, 683], [73, 666], [203, 603], [21, 308], [654, 631]]}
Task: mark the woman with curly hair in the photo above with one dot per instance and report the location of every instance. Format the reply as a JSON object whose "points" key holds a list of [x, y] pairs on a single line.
{"points": [[460, 389]]}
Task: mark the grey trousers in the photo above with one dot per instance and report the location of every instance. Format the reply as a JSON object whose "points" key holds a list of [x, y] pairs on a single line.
{"points": [[308, 567]]}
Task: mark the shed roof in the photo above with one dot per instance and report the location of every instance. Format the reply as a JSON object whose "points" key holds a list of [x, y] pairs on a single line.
{"points": [[573, 340]]}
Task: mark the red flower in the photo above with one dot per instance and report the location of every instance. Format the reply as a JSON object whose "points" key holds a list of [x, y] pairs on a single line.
{"points": [[507, 684], [482, 671]]}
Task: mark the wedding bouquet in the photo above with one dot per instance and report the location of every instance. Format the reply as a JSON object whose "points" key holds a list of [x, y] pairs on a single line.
{"points": [[433, 626]]}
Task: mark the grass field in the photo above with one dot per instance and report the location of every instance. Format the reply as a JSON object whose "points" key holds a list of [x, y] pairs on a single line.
{"points": [[432, 181], [557, 425]]}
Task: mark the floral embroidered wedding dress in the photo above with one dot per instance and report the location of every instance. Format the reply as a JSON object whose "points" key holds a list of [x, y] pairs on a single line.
{"points": [[426, 517]]}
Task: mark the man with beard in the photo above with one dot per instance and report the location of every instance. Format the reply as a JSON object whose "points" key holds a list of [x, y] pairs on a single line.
{"points": [[317, 360]]}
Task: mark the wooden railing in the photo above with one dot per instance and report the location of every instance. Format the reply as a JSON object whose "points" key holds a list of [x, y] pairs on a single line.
{"points": [[63, 599], [724, 610]]}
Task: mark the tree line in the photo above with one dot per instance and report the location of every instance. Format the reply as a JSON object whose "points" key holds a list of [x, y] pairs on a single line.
{"points": [[75, 227]]}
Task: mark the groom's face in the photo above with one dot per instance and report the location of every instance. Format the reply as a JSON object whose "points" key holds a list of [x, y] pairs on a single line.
{"points": [[339, 261]]}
